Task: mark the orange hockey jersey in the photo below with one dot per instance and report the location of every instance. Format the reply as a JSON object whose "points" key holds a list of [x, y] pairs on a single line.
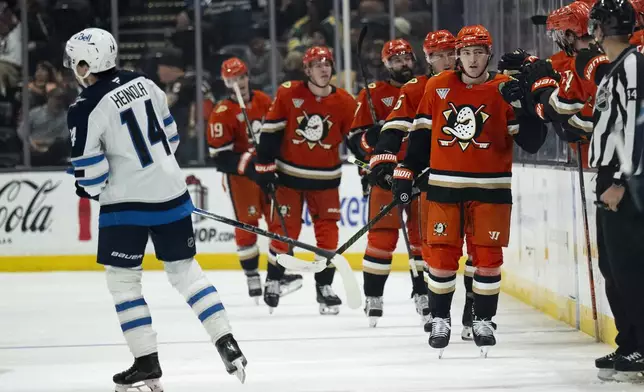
{"points": [[227, 130], [302, 134], [471, 129], [384, 96]]}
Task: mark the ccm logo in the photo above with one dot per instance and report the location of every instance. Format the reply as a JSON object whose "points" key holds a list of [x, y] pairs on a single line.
{"points": [[593, 64]]}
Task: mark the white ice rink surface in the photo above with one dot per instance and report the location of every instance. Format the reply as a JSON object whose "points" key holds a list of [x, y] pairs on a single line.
{"points": [[59, 332]]}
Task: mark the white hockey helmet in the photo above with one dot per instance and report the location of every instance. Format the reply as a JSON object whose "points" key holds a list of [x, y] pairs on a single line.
{"points": [[96, 47]]}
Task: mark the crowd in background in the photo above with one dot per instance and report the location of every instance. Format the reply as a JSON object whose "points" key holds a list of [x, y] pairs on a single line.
{"points": [[157, 37]]}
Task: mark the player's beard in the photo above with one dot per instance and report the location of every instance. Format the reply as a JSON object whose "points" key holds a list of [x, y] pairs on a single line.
{"points": [[403, 75]]}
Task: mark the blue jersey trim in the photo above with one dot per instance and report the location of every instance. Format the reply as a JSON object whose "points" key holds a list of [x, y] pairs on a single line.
{"points": [[168, 120], [94, 181], [88, 161], [145, 218], [174, 138]]}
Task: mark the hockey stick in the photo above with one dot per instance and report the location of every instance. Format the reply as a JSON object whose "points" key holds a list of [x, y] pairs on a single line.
{"points": [[412, 264], [354, 296], [318, 265], [582, 190], [372, 110], [251, 135]]}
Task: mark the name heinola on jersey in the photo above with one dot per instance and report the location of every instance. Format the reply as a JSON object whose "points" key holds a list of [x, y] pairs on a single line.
{"points": [[124, 96]]}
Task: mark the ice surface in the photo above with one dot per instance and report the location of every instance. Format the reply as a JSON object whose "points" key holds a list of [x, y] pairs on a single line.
{"points": [[59, 332]]}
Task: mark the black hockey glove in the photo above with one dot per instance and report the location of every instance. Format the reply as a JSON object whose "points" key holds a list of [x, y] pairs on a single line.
{"points": [[382, 170], [246, 166], [266, 177], [402, 184], [82, 193], [513, 92], [513, 62]]}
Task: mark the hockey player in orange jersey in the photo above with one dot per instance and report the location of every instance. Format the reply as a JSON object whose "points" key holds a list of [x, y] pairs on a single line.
{"points": [[440, 55], [567, 99], [232, 153], [464, 131], [399, 59], [298, 154]]}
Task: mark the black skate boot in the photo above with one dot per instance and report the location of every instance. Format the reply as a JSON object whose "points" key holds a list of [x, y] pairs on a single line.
{"points": [[145, 371], [290, 283], [272, 294], [468, 314], [630, 368], [422, 307], [373, 310], [254, 286], [329, 302], [606, 366], [232, 356], [441, 331], [483, 331]]}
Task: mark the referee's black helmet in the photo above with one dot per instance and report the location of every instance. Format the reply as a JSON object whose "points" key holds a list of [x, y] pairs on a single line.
{"points": [[615, 17]]}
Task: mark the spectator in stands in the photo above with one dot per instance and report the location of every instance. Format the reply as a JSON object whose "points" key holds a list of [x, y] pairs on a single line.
{"points": [[318, 18], [10, 48], [44, 81], [69, 85], [259, 63], [45, 130]]}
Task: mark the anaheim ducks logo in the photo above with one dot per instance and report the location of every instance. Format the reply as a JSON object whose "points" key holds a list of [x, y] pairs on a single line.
{"points": [[465, 124], [313, 129]]}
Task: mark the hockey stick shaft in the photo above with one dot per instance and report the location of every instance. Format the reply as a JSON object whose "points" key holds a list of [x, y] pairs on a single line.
{"points": [[403, 227], [591, 278], [256, 230], [275, 206], [384, 211], [372, 110]]}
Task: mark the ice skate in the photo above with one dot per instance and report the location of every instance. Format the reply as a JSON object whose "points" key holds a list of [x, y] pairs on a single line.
{"points": [[232, 356], [254, 286], [441, 331], [468, 314], [290, 283], [272, 294], [422, 307], [484, 334], [329, 302], [373, 310], [606, 366], [142, 376], [630, 368]]}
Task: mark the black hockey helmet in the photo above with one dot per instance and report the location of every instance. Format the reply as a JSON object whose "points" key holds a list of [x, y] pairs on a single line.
{"points": [[615, 17]]}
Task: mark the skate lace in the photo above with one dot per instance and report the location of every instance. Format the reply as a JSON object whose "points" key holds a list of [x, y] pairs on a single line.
{"points": [[327, 291], [273, 286], [254, 282], [483, 327], [422, 302], [374, 302], [440, 327], [636, 356]]}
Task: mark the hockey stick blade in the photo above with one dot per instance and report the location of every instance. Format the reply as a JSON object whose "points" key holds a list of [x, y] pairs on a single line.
{"points": [[351, 287], [293, 263]]}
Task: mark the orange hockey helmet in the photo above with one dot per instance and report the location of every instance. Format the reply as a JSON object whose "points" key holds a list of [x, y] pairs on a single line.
{"points": [[573, 17], [317, 53], [396, 47], [475, 35], [436, 41], [232, 68]]}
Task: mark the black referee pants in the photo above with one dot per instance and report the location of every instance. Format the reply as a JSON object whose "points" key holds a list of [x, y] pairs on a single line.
{"points": [[620, 240]]}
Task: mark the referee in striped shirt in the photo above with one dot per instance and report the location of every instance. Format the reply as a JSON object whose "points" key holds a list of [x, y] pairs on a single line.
{"points": [[615, 150]]}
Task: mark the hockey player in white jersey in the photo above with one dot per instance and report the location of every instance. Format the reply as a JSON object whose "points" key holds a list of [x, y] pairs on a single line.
{"points": [[123, 141]]}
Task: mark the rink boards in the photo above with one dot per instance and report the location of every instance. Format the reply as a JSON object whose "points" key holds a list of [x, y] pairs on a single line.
{"points": [[45, 227]]}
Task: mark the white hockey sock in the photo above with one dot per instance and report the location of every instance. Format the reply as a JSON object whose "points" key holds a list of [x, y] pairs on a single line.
{"points": [[132, 310], [187, 277]]}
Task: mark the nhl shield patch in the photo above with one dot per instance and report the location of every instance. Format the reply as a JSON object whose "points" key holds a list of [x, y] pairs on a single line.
{"points": [[297, 102]]}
